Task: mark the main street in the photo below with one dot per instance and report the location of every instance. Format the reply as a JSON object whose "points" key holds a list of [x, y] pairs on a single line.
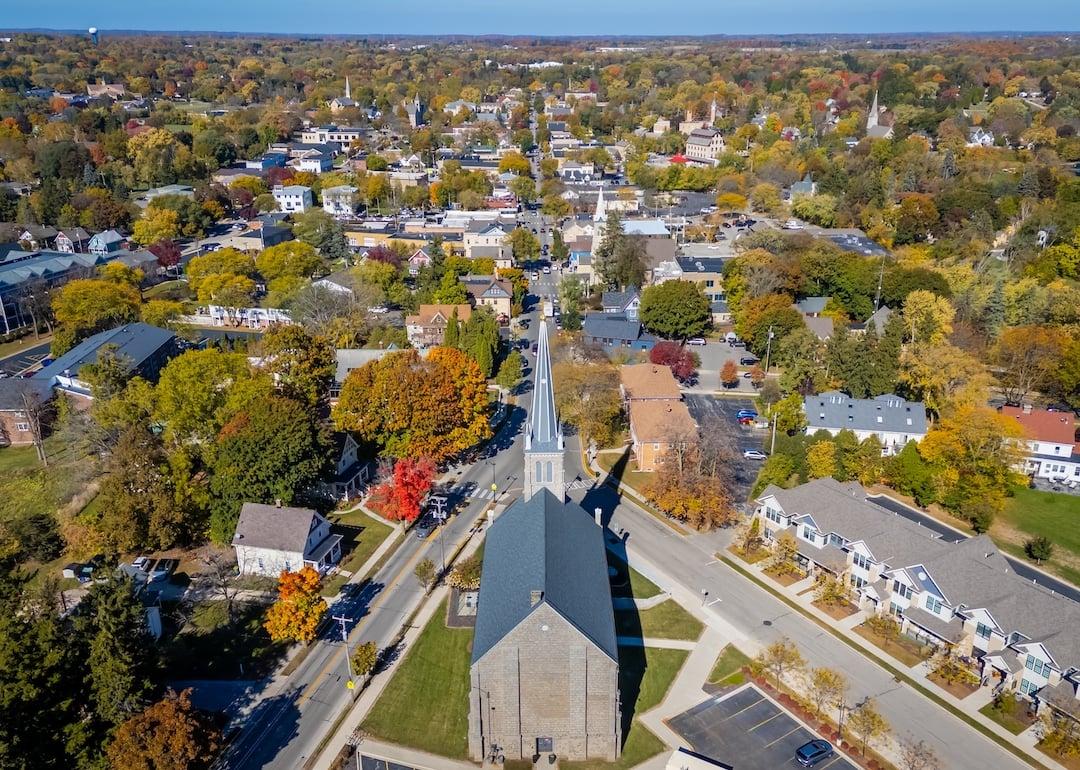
{"points": [[757, 614], [284, 730]]}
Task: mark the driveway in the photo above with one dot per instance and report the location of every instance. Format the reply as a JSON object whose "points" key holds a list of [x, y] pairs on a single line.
{"points": [[746, 729], [719, 414]]}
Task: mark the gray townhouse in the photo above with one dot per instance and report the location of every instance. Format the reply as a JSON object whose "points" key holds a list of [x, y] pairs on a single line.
{"points": [[892, 419], [962, 596]]}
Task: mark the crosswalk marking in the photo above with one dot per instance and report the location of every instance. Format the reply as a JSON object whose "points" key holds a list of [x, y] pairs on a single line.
{"points": [[474, 490]]}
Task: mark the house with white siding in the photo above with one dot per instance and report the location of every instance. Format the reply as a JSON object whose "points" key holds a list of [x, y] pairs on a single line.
{"points": [[1050, 443], [893, 420], [271, 539]]}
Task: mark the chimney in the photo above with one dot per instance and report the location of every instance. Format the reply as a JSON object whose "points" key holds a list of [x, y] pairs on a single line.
{"points": [[598, 515], [535, 597]]}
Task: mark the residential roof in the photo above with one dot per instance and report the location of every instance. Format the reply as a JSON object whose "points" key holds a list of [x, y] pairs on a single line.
{"points": [[439, 314], [107, 237], [691, 264], [887, 413], [552, 547], [812, 305], [649, 381], [645, 227], [619, 299], [274, 527], [486, 285], [543, 433], [353, 358], [614, 326], [660, 420], [822, 326], [12, 390], [950, 630], [135, 342], [1044, 424]]}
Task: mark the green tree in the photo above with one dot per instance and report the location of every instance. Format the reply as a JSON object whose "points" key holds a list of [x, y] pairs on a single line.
{"points": [[270, 451], [120, 660], [510, 370], [452, 335], [789, 414], [480, 339], [675, 310], [303, 365], [193, 391], [524, 245], [425, 573], [364, 658], [451, 291]]}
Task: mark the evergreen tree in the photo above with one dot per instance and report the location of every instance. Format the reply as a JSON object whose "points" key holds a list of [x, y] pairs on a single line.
{"points": [[119, 663], [948, 165], [604, 258], [1029, 182], [884, 357], [994, 315], [480, 339], [89, 175], [452, 336]]}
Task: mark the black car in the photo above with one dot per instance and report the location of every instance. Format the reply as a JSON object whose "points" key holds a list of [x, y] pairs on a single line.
{"points": [[809, 754], [747, 361]]}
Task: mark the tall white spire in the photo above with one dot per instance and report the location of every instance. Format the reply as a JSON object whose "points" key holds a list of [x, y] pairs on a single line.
{"points": [[543, 435], [872, 118], [601, 207], [348, 91]]}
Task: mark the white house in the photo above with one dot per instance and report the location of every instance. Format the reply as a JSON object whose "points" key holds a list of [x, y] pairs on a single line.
{"points": [[271, 539], [980, 137], [894, 420], [339, 202], [293, 197], [703, 145], [1050, 448]]}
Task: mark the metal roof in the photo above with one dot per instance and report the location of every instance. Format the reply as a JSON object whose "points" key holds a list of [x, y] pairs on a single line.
{"points": [[543, 434], [135, 342], [552, 547], [887, 413]]}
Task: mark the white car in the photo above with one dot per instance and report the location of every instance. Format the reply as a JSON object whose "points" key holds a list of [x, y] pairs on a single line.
{"points": [[696, 341], [793, 224], [753, 454]]}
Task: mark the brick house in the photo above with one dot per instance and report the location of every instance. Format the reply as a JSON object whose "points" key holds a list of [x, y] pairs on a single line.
{"points": [[427, 328], [656, 412]]}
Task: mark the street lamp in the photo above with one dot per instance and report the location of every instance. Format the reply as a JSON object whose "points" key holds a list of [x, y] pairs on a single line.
{"points": [[768, 350]]}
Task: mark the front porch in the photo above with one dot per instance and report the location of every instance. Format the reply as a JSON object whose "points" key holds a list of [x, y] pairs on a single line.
{"points": [[325, 555]]}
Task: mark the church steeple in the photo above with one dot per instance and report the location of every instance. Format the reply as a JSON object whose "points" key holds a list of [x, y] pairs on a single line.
{"points": [[601, 207], [543, 435], [875, 112], [348, 91]]}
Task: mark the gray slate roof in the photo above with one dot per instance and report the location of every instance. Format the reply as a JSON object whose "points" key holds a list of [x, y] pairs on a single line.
{"points": [[618, 299], [353, 358], [614, 326], [841, 411], [136, 341], [267, 526], [543, 433], [544, 544]]}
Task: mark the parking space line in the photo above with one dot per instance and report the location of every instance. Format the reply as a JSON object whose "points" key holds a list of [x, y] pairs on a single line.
{"points": [[765, 721], [835, 758], [759, 700], [714, 601], [795, 729]]}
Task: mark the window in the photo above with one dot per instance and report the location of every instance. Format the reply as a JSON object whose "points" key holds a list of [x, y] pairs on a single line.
{"points": [[933, 604], [982, 631], [1028, 688], [857, 581], [902, 589], [772, 515], [547, 471], [835, 539], [1034, 664], [807, 533], [539, 473], [894, 608], [22, 426], [861, 561]]}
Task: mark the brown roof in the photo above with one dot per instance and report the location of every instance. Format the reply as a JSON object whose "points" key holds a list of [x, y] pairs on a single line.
{"points": [[660, 420], [1044, 425], [649, 381], [428, 314]]}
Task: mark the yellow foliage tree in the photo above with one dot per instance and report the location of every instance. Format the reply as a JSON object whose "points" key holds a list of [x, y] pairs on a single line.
{"points": [[296, 614]]}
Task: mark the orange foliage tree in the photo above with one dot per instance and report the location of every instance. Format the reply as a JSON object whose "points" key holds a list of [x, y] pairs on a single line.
{"points": [[414, 407], [296, 614], [169, 735], [398, 498]]}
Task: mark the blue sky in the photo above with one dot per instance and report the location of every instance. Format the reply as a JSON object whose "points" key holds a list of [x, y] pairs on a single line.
{"points": [[551, 17]]}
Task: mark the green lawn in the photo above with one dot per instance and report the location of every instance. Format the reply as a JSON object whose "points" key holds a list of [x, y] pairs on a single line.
{"points": [[727, 669], [1033, 513], [361, 535], [426, 704], [175, 290], [1014, 721], [628, 582], [667, 620], [645, 676]]}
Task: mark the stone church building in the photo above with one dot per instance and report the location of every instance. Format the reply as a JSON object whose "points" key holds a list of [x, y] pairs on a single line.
{"points": [[545, 668]]}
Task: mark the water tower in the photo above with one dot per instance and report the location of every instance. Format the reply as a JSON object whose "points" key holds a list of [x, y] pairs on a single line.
{"points": [[93, 34]]}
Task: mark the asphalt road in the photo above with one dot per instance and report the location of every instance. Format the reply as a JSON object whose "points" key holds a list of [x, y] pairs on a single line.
{"points": [[14, 364], [691, 562], [285, 730], [951, 535]]}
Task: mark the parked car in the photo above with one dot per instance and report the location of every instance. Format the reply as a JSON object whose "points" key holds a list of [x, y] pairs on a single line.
{"points": [[534, 348], [748, 360], [162, 569], [745, 413], [698, 341], [810, 754], [746, 421], [793, 224], [423, 530], [738, 344]]}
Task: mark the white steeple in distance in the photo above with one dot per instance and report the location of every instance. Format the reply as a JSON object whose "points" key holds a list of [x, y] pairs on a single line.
{"points": [[348, 91], [543, 434], [872, 117], [601, 207]]}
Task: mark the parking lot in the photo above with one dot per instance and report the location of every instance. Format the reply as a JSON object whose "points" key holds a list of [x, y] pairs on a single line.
{"points": [[713, 355], [371, 763], [718, 413], [745, 729]]}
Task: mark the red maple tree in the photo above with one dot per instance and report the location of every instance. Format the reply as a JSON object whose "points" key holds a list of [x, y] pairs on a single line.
{"points": [[167, 253], [683, 362], [398, 498]]}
